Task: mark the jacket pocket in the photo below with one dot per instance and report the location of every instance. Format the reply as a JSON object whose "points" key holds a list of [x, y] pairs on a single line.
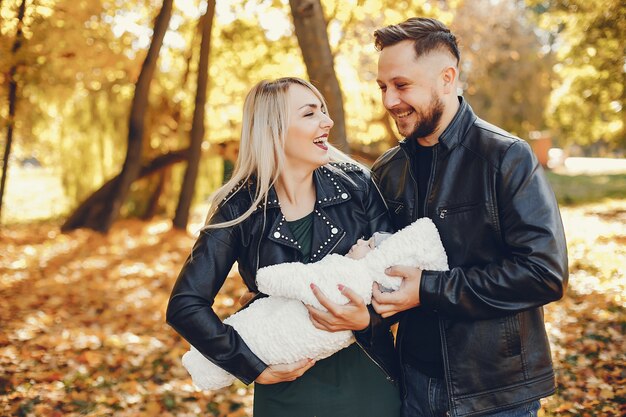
{"points": [[395, 207], [399, 214], [512, 335], [445, 211]]}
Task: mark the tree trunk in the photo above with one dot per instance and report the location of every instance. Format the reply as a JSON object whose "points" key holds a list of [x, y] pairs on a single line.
{"points": [[197, 128], [95, 203], [12, 101], [310, 25], [153, 202], [105, 213]]}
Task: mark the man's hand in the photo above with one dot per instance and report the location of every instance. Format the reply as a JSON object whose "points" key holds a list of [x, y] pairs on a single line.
{"points": [[404, 298], [351, 316], [284, 372]]}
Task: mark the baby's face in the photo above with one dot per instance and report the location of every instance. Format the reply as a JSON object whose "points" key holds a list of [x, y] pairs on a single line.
{"points": [[361, 248]]}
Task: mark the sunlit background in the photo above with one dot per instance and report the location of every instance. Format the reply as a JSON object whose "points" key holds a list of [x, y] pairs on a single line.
{"points": [[81, 320]]}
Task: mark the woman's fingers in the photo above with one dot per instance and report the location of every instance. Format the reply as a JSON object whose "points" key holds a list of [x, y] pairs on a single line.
{"points": [[291, 368], [325, 301], [319, 318], [351, 295], [351, 316], [291, 371], [274, 374]]}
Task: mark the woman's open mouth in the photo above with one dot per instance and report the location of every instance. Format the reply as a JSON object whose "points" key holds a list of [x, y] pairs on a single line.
{"points": [[322, 142]]}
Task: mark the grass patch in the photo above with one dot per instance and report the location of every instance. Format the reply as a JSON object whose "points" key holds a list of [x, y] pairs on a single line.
{"points": [[571, 190]]}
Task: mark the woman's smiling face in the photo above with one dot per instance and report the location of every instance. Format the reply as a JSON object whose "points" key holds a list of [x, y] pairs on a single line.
{"points": [[307, 133]]}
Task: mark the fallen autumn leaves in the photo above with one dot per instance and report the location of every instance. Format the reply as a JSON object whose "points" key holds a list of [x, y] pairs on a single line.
{"points": [[83, 329]]}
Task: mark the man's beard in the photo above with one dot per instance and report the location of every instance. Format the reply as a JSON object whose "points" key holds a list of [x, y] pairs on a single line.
{"points": [[428, 121]]}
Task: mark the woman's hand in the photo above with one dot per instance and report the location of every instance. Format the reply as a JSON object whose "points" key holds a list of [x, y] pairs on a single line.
{"points": [[351, 316], [284, 372]]}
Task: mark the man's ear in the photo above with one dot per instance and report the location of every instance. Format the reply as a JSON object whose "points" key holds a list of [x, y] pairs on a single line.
{"points": [[449, 76]]}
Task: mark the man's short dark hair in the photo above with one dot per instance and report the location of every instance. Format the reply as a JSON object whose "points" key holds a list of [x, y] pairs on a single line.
{"points": [[426, 33]]}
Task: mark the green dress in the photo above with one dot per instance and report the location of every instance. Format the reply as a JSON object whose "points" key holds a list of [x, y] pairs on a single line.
{"points": [[344, 385]]}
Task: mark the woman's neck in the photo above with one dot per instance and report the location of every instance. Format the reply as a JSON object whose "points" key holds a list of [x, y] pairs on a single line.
{"points": [[296, 193]]}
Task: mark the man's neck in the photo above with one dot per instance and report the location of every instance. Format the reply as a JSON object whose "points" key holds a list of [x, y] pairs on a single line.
{"points": [[452, 107]]}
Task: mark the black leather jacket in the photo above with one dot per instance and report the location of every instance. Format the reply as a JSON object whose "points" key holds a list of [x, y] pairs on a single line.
{"points": [[500, 225], [345, 211]]}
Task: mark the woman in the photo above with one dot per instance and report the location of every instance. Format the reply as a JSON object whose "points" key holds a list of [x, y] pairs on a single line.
{"points": [[292, 197]]}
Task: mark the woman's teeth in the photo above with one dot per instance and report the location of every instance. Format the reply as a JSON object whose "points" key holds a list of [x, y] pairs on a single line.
{"points": [[321, 142]]}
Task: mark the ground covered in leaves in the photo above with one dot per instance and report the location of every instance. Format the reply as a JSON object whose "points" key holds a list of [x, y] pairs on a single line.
{"points": [[83, 332]]}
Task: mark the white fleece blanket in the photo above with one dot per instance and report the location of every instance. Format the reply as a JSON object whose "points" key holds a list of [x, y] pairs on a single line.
{"points": [[278, 329]]}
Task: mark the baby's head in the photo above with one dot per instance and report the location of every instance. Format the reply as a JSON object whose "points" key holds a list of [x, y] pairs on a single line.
{"points": [[362, 247]]}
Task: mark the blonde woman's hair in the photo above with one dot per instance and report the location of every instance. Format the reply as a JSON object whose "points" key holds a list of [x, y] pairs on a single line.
{"points": [[263, 131]]}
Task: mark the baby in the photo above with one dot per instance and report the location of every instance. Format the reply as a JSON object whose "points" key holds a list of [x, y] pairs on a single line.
{"points": [[363, 247], [278, 329], [357, 251]]}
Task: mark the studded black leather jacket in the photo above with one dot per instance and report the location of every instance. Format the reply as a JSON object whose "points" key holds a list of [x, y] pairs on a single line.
{"points": [[502, 231], [348, 207]]}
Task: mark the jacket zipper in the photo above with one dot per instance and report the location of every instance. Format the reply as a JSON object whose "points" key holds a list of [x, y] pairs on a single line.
{"points": [[447, 380], [389, 378], [431, 180], [444, 211], [408, 158], [413, 218], [444, 352]]}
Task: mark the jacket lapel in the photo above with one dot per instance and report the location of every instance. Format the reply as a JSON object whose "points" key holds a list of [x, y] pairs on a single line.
{"points": [[281, 234], [327, 232]]}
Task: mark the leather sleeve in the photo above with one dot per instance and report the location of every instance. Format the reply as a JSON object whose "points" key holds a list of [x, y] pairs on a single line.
{"points": [[190, 311], [534, 271]]}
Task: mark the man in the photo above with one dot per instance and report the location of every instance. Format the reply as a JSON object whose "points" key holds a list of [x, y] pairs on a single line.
{"points": [[471, 340]]}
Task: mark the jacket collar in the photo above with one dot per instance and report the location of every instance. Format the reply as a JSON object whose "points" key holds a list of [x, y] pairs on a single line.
{"points": [[330, 190], [455, 131], [327, 231]]}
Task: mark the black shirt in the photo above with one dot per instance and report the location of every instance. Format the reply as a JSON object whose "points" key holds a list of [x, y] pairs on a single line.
{"points": [[422, 328]]}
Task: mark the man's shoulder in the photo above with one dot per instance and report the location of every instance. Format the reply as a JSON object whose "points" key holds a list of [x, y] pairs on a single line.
{"points": [[492, 132], [492, 142], [387, 158]]}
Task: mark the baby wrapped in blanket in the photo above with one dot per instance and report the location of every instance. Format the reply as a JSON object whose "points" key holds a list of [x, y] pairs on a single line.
{"points": [[278, 329]]}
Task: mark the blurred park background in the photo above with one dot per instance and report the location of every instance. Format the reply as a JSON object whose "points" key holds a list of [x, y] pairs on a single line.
{"points": [[119, 118]]}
